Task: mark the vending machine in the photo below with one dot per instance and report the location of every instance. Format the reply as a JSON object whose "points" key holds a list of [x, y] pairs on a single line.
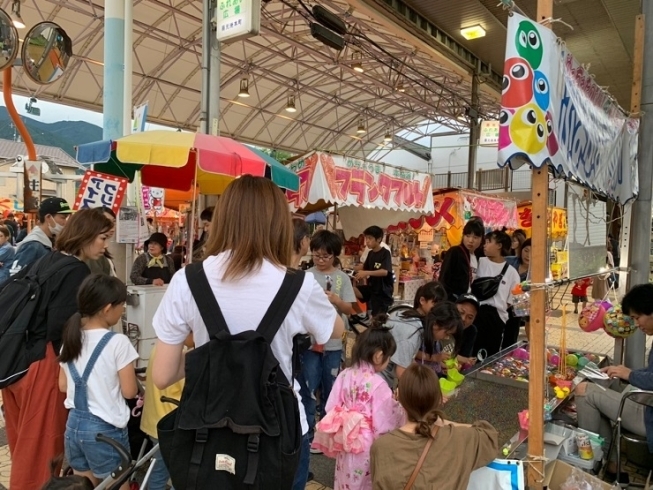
{"points": [[142, 303]]}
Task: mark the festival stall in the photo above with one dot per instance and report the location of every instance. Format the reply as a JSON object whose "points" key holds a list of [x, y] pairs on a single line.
{"points": [[419, 241], [365, 193], [554, 117]]}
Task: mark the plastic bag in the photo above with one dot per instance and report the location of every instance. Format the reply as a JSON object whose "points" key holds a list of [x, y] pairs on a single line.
{"points": [[579, 480]]}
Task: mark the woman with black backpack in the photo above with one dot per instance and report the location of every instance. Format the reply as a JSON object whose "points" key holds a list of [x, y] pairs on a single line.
{"points": [[245, 274], [34, 407]]}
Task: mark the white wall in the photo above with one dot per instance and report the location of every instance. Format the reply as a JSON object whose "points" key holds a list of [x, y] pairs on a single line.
{"points": [[400, 158], [451, 153]]}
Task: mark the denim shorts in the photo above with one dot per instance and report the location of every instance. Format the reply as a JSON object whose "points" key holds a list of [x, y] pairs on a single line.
{"points": [[83, 452]]}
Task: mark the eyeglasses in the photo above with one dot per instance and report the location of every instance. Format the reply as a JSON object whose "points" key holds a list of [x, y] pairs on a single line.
{"points": [[322, 258]]}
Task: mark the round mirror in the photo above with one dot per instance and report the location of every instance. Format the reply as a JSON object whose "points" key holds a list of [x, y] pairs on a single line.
{"points": [[8, 41], [47, 49]]}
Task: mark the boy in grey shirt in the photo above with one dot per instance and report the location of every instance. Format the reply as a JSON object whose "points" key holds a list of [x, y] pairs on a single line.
{"points": [[321, 363]]}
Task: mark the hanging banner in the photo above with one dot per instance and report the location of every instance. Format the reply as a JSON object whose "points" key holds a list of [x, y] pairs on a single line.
{"points": [[553, 113], [140, 118], [557, 221], [97, 190], [153, 198]]}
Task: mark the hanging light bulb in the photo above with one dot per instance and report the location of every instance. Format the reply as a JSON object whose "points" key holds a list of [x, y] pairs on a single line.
{"points": [[244, 88], [400, 87], [361, 127], [388, 137], [290, 105], [15, 15], [357, 65]]}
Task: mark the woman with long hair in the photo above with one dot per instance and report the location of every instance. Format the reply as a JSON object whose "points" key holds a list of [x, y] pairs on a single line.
{"points": [[460, 448], [34, 407], [459, 265], [248, 251]]}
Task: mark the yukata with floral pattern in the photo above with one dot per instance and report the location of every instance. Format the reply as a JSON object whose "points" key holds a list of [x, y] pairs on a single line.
{"points": [[361, 407]]}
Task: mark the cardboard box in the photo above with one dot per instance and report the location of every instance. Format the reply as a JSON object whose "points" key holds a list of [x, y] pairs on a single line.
{"points": [[557, 472]]}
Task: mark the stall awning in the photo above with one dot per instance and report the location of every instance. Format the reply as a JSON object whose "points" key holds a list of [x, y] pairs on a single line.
{"points": [[366, 193]]}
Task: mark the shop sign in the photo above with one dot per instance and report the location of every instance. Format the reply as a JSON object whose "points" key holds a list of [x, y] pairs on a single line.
{"points": [[489, 133], [238, 19], [554, 113], [557, 221], [351, 182], [97, 190]]}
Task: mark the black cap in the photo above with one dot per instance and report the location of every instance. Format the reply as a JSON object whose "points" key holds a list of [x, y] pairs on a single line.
{"points": [[469, 298], [159, 238], [53, 205]]}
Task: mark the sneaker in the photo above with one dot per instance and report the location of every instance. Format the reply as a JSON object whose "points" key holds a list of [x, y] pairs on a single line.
{"points": [[316, 451]]}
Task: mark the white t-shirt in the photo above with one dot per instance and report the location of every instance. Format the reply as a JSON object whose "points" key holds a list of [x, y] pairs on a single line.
{"points": [[105, 399], [487, 268], [243, 304], [473, 265]]}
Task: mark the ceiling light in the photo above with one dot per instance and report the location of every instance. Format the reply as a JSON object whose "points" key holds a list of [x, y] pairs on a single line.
{"points": [[388, 137], [357, 64], [244, 88], [358, 67], [400, 87], [290, 105], [361, 127], [473, 32], [15, 15]]}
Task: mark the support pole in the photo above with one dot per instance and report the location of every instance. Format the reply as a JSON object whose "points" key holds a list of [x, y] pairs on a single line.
{"points": [[474, 130], [640, 243], [113, 98], [114, 69], [539, 265], [128, 75], [206, 68]]}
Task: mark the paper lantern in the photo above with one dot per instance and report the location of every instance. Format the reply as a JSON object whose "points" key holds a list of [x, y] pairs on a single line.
{"points": [[617, 324], [591, 318]]}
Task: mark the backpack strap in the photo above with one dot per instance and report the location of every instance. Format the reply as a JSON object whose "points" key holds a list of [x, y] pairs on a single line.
{"points": [[205, 300], [281, 304], [503, 271]]}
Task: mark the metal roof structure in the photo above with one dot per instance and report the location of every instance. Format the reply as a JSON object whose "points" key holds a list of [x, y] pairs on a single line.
{"points": [[417, 67]]}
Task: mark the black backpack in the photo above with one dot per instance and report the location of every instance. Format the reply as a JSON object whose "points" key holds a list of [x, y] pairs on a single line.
{"points": [[237, 425], [22, 318]]}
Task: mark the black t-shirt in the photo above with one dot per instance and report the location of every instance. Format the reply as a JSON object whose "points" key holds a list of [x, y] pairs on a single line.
{"points": [[469, 337], [375, 261]]}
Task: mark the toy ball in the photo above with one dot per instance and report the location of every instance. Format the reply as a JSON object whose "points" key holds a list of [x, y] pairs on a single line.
{"points": [[617, 324], [521, 353], [582, 362], [591, 318], [572, 360], [555, 359]]}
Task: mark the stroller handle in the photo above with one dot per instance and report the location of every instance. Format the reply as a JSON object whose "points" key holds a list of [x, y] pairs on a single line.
{"points": [[125, 457]]}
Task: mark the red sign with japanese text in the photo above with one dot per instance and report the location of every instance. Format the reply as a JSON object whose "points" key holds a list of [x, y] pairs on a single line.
{"points": [[97, 190], [351, 182]]}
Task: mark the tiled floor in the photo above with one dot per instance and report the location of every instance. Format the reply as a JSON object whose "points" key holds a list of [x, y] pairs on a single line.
{"points": [[597, 342]]}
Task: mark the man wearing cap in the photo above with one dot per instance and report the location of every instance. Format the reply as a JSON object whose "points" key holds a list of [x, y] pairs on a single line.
{"points": [[468, 307], [53, 214]]}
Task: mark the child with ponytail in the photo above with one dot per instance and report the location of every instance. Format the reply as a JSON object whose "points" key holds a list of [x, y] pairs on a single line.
{"points": [[97, 374], [395, 456], [360, 408]]}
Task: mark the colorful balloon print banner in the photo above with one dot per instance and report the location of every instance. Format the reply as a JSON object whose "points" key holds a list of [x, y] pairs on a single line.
{"points": [[553, 113]]}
